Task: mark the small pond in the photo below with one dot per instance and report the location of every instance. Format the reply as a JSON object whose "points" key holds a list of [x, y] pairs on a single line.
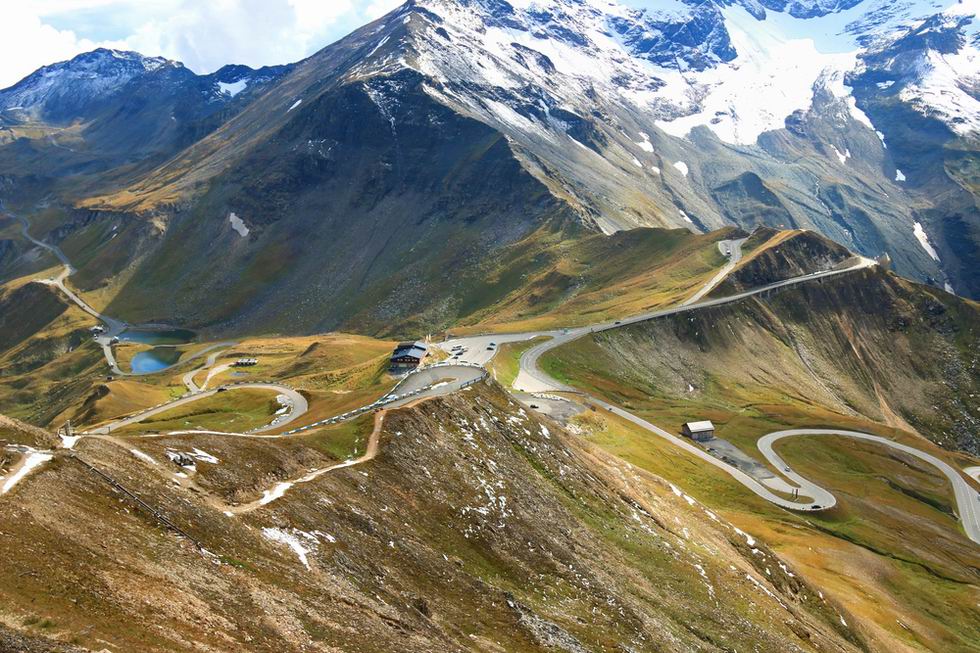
{"points": [[154, 360]]}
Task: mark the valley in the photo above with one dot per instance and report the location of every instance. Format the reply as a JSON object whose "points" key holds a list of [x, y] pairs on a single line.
{"points": [[579, 326], [141, 432]]}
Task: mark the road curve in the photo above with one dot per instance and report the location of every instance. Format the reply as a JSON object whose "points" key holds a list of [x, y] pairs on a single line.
{"points": [[967, 499], [425, 383], [447, 378], [299, 407], [973, 472], [113, 327], [531, 378]]}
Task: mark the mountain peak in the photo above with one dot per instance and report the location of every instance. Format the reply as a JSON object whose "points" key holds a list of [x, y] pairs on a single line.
{"points": [[61, 90], [111, 56]]}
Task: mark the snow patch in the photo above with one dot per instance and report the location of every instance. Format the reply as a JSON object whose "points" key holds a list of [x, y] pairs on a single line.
{"points": [[294, 105], [645, 144], [899, 175], [943, 89], [923, 238], [69, 441], [682, 167], [204, 456], [300, 542], [841, 156], [34, 459], [379, 45], [748, 538], [232, 89], [238, 225], [268, 496], [778, 64], [142, 456]]}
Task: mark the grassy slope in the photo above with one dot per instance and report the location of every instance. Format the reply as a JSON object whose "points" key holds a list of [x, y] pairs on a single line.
{"points": [[747, 375], [771, 255], [573, 281], [47, 357], [505, 365], [418, 558], [236, 410]]}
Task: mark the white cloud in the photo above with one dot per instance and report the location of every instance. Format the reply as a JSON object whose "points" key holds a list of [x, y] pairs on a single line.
{"points": [[27, 43], [203, 35]]}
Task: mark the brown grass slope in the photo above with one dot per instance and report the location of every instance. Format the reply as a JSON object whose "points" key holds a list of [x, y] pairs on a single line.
{"points": [[869, 352], [867, 344], [477, 528]]}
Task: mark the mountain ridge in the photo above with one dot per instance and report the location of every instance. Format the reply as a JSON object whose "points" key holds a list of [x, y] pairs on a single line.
{"points": [[565, 100]]}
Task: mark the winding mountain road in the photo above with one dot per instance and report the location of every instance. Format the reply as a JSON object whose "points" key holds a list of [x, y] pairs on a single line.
{"points": [[967, 499], [811, 497], [445, 378], [298, 407], [113, 327]]}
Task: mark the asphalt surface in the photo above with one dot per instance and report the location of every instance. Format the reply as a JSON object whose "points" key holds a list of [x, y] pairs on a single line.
{"points": [[967, 499], [811, 497], [973, 472], [532, 379], [298, 402], [113, 327], [477, 351]]}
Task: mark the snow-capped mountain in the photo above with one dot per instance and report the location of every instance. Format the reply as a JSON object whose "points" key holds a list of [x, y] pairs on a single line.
{"points": [[65, 89], [739, 68], [619, 103], [485, 123], [74, 89], [107, 107]]}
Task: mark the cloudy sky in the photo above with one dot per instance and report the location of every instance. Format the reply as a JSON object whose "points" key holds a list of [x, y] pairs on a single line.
{"points": [[204, 35]]}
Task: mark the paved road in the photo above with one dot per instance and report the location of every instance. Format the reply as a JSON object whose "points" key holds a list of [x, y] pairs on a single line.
{"points": [[298, 402], [447, 378], [481, 349], [732, 249], [427, 382], [812, 497], [188, 378], [967, 499], [532, 379], [697, 451], [113, 327]]}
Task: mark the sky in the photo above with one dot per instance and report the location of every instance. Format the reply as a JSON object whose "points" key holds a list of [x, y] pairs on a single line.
{"points": [[203, 34]]}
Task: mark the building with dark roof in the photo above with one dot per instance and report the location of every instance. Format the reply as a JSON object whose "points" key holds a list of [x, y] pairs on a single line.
{"points": [[407, 356]]}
